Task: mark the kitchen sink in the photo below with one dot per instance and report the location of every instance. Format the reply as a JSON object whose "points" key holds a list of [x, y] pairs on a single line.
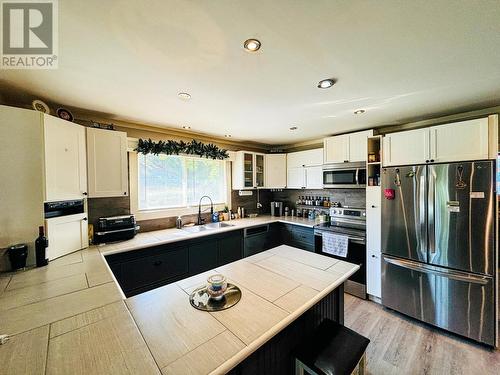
{"points": [[217, 225], [210, 226]]}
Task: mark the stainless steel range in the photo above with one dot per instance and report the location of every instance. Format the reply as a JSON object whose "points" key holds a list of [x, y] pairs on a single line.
{"points": [[351, 223]]}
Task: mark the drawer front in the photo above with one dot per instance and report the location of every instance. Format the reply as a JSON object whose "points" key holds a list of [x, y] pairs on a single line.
{"points": [[152, 269], [302, 245]]}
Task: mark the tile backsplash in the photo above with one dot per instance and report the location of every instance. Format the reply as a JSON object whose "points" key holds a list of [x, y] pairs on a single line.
{"points": [[346, 197]]}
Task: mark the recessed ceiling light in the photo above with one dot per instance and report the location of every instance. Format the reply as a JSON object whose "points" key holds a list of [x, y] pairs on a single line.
{"points": [[186, 127], [359, 111], [293, 128], [326, 83], [184, 96], [227, 135], [252, 45]]}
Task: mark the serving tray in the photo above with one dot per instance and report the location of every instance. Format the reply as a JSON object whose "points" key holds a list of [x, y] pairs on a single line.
{"points": [[201, 300]]}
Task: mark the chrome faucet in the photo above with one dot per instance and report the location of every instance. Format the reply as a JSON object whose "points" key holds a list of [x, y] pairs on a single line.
{"points": [[200, 220]]}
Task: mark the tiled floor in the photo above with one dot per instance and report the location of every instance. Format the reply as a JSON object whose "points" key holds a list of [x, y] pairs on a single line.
{"points": [[400, 345]]}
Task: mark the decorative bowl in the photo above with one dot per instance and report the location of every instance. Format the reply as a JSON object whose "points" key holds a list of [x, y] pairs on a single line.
{"points": [[216, 286]]}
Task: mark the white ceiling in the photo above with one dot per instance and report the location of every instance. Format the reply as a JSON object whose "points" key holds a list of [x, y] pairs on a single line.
{"points": [[398, 60]]}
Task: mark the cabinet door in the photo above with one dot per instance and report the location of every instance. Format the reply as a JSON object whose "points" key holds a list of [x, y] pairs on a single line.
{"points": [[259, 171], [406, 148], [275, 168], [459, 141], [65, 160], [66, 234], [313, 157], [373, 218], [336, 149], [230, 248], [296, 178], [202, 256], [314, 177], [107, 163], [373, 274], [248, 170], [358, 145]]}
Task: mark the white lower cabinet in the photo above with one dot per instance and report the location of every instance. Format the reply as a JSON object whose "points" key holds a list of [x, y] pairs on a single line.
{"points": [[373, 240], [373, 274], [66, 234]]}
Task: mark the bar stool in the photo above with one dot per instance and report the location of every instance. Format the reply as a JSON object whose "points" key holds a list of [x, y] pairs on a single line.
{"points": [[332, 350]]}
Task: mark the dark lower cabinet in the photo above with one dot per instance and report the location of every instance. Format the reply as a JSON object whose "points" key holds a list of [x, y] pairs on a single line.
{"points": [[139, 274], [142, 270], [203, 256], [298, 236], [230, 248]]}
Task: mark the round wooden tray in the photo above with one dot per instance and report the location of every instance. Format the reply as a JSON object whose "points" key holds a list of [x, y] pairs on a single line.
{"points": [[200, 299]]}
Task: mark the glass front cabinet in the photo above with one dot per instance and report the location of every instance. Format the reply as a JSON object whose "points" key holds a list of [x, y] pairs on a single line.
{"points": [[248, 170]]}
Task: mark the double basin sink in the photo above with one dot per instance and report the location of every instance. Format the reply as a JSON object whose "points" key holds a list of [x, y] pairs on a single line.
{"points": [[204, 227]]}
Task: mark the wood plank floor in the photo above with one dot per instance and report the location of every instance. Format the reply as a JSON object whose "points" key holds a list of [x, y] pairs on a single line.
{"points": [[400, 345]]}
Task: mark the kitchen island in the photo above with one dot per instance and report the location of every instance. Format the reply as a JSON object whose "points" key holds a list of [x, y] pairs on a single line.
{"points": [[71, 317]]}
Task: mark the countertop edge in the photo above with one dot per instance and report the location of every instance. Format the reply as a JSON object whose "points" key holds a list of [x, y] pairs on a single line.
{"points": [[239, 357]]}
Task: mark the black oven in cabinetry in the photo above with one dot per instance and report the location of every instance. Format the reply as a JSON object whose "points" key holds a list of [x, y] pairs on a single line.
{"points": [[356, 253]]}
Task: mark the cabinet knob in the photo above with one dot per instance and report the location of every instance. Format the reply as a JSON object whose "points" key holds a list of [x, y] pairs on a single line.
{"points": [[85, 193], [124, 193], [84, 219], [373, 206], [373, 256], [432, 160], [157, 263], [427, 161], [346, 161]]}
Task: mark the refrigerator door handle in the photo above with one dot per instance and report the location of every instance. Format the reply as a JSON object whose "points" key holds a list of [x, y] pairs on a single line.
{"points": [[430, 211], [450, 274]]}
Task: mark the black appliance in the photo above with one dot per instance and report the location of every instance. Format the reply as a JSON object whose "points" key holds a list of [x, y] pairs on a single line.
{"points": [[344, 175], [63, 208], [350, 222], [115, 228]]}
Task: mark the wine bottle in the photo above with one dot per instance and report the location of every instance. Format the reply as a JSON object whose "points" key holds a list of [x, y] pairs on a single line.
{"points": [[41, 244]]}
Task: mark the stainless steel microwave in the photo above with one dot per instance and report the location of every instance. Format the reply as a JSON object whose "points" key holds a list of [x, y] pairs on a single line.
{"points": [[344, 175]]}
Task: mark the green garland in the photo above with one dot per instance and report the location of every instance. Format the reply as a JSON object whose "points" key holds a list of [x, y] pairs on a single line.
{"points": [[209, 151]]}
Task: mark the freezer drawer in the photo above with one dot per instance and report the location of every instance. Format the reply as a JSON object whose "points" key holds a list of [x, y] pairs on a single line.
{"points": [[459, 302]]}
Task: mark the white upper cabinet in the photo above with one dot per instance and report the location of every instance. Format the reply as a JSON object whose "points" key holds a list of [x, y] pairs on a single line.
{"points": [[304, 169], [275, 171], [65, 160], [296, 178], [107, 163], [248, 170], [314, 177], [465, 140], [409, 147], [347, 147], [306, 158]]}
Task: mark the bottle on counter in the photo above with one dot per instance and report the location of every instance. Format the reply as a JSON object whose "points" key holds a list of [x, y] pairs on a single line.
{"points": [[41, 244], [178, 222]]}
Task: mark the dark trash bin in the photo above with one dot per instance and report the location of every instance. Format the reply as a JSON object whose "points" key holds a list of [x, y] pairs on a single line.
{"points": [[17, 256]]}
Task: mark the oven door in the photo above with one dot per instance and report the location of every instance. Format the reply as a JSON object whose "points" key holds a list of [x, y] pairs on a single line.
{"points": [[344, 178], [356, 253]]}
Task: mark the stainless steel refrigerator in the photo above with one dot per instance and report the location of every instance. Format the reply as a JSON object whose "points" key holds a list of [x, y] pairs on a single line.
{"points": [[438, 245]]}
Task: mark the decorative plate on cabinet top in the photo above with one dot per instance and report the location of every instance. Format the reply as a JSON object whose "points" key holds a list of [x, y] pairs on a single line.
{"points": [[40, 106]]}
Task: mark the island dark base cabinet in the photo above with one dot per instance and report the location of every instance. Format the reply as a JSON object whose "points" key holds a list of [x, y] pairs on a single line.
{"points": [[276, 356]]}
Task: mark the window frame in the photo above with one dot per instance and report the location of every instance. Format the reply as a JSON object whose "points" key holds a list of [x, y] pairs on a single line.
{"points": [[149, 214]]}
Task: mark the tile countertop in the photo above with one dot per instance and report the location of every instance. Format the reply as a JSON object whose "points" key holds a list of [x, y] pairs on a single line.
{"points": [[71, 317], [159, 237]]}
